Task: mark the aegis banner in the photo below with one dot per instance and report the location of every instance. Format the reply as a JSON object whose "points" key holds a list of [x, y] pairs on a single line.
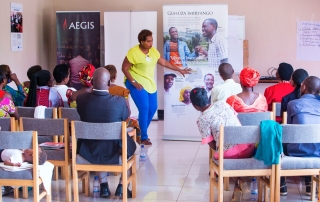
{"points": [[78, 35]]}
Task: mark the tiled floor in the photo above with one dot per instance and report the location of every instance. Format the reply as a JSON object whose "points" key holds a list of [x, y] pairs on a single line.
{"points": [[174, 171]]}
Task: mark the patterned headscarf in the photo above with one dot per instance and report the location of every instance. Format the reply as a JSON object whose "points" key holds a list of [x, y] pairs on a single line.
{"points": [[181, 98], [249, 77], [86, 74]]}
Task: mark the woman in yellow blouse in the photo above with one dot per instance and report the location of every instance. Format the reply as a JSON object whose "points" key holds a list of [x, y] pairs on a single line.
{"points": [[138, 67]]}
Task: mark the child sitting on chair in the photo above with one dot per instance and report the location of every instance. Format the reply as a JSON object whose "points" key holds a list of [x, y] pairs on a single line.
{"points": [[15, 157]]}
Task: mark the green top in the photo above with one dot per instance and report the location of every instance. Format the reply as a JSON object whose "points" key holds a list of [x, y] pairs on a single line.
{"points": [[143, 65]]}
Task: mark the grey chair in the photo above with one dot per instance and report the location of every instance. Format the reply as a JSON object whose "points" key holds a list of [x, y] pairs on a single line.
{"points": [[240, 167], [102, 131], [50, 112], [30, 177], [8, 124], [254, 118], [59, 158], [69, 113], [299, 166]]}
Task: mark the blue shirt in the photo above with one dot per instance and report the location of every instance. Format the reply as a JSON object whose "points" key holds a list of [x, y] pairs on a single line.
{"points": [[305, 110], [183, 51]]}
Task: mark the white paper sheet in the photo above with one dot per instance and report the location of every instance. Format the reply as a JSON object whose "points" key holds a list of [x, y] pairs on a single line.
{"points": [[308, 40]]}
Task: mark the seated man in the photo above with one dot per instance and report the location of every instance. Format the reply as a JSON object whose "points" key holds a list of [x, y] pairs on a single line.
{"points": [[228, 88], [304, 110], [61, 74], [100, 106]]}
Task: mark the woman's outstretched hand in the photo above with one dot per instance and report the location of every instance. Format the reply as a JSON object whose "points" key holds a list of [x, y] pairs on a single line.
{"points": [[185, 71]]}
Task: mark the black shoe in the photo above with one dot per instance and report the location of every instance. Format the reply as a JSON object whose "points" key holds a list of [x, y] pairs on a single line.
{"points": [[104, 190], [283, 189], [308, 189], [119, 192]]}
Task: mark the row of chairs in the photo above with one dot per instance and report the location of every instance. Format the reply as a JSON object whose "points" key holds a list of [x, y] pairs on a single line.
{"points": [[268, 176], [53, 128]]}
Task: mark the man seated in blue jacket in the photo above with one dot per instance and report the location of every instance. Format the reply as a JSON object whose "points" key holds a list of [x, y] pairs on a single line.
{"points": [[304, 110], [176, 51]]}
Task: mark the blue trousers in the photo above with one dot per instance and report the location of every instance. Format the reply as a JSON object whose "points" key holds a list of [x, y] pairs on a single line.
{"points": [[147, 105]]}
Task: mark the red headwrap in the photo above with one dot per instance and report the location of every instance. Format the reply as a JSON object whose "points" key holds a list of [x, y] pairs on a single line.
{"points": [[86, 74], [249, 77]]}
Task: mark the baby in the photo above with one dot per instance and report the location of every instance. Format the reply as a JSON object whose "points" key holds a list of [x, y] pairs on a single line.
{"points": [[15, 157]]}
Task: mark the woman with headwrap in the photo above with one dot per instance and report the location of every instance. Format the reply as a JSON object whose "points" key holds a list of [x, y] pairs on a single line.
{"points": [[185, 95], [297, 78], [85, 76], [247, 100], [41, 93]]}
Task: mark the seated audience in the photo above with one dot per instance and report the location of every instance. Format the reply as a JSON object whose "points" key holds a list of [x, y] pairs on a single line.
{"points": [[247, 100], [228, 88], [18, 95], [85, 76], [304, 110], [185, 95], [30, 72], [114, 109], [40, 92], [212, 116], [124, 92], [276, 92], [61, 74], [7, 107], [297, 78], [15, 157]]}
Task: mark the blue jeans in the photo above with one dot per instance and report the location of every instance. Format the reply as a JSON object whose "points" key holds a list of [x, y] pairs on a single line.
{"points": [[147, 105]]}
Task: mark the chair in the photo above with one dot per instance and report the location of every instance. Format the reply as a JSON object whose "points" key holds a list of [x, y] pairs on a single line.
{"points": [[299, 166], [50, 112], [69, 113], [240, 167], [276, 109], [254, 118], [30, 177], [246, 119], [7, 124], [60, 158], [102, 131]]}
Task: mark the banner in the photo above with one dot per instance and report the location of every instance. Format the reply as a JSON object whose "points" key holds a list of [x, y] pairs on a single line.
{"points": [[16, 20], [78, 34], [195, 36]]}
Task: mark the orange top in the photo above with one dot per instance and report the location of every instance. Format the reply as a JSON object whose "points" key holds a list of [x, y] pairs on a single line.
{"points": [[259, 105]]}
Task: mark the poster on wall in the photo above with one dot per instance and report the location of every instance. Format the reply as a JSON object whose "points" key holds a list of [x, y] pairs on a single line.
{"points": [[196, 37], [16, 20], [78, 38], [308, 40]]}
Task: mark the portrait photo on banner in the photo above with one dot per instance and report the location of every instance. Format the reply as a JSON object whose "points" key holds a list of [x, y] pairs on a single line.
{"points": [[196, 37]]}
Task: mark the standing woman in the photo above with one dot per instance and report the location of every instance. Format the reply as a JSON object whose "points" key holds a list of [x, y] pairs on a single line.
{"points": [[138, 67]]}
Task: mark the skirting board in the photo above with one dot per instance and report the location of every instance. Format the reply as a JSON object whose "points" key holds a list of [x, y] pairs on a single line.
{"points": [[181, 138]]}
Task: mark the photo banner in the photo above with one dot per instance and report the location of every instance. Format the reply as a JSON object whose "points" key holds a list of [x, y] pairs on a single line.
{"points": [[196, 37], [78, 34]]}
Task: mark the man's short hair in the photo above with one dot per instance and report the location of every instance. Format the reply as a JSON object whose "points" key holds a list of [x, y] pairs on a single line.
{"points": [[312, 85], [204, 78], [285, 71], [213, 22], [61, 72], [169, 74], [226, 71], [171, 28]]}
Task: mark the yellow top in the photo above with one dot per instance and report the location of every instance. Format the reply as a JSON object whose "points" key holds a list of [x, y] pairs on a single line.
{"points": [[143, 65]]}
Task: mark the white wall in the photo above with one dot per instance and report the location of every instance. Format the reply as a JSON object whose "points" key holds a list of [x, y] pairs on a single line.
{"points": [[37, 36]]}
